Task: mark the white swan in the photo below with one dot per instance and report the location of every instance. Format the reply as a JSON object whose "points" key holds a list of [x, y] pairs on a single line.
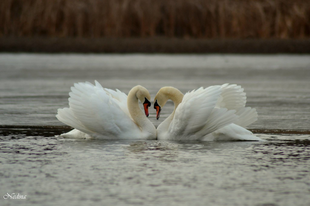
{"points": [[98, 112], [210, 114]]}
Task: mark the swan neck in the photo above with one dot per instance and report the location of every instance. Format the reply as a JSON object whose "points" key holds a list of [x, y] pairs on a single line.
{"points": [[135, 111], [174, 95]]}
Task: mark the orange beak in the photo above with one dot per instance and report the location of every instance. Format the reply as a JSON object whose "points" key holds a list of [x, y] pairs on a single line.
{"points": [[158, 109], [146, 106], [157, 112], [146, 109]]}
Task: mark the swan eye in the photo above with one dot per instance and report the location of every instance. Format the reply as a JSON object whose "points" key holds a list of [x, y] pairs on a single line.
{"points": [[158, 109]]}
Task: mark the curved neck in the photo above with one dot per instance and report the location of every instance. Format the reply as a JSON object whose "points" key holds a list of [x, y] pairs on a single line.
{"points": [[135, 111], [176, 96]]}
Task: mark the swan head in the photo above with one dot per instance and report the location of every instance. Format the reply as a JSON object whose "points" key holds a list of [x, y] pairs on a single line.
{"points": [[163, 95], [144, 96], [158, 109], [160, 100]]}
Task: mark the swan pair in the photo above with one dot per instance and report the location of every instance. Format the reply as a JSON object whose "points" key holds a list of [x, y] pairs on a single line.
{"points": [[213, 113]]}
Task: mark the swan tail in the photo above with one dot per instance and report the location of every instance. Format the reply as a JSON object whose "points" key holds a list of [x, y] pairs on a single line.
{"points": [[76, 134], [231, 132]]}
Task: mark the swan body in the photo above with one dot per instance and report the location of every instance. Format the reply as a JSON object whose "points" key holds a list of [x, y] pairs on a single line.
{"points": [[97, 112], [211, 114]]}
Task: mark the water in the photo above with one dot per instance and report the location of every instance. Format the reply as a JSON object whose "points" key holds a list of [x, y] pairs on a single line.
{"points": [[33, 87], [51, 170], [54, 171]]}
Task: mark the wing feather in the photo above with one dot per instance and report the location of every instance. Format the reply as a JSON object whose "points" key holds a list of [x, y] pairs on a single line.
{"points": [[97, 110], [66, 116], [197, 114], [246, 116], [233, 97]]}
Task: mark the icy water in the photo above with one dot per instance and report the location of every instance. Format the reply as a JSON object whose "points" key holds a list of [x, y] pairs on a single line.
{"points": [[39, 168]]}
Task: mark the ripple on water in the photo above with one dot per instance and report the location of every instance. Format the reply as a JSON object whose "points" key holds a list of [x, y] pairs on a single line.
{"points": [[57, 170]]}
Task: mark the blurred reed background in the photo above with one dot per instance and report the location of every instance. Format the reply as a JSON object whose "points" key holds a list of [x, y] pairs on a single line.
{"points": [[204, 19]]}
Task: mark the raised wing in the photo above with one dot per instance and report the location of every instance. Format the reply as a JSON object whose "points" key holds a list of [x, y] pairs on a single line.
{"points": [[96, 110], [234, 97], [197, 115], [117, 96]]}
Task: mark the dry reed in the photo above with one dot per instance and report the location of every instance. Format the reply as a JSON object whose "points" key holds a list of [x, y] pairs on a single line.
{"points": [[149, 18]]}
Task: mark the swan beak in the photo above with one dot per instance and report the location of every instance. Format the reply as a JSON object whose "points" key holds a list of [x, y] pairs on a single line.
{"points": [[146, 106], [158, 109]]}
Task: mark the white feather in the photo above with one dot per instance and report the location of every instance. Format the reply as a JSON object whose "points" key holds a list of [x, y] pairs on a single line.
{"points": [[100, 113], [214, 113]]}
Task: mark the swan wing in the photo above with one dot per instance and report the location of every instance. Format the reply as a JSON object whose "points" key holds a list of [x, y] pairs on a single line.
{"points": [[97, 111], [233, 97], [117, 96], [246, 116], [67, 117], [198, 115]]}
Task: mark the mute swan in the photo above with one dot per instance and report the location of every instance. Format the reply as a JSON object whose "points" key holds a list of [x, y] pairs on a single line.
{"points": [[213, 113], [99, 112]]}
